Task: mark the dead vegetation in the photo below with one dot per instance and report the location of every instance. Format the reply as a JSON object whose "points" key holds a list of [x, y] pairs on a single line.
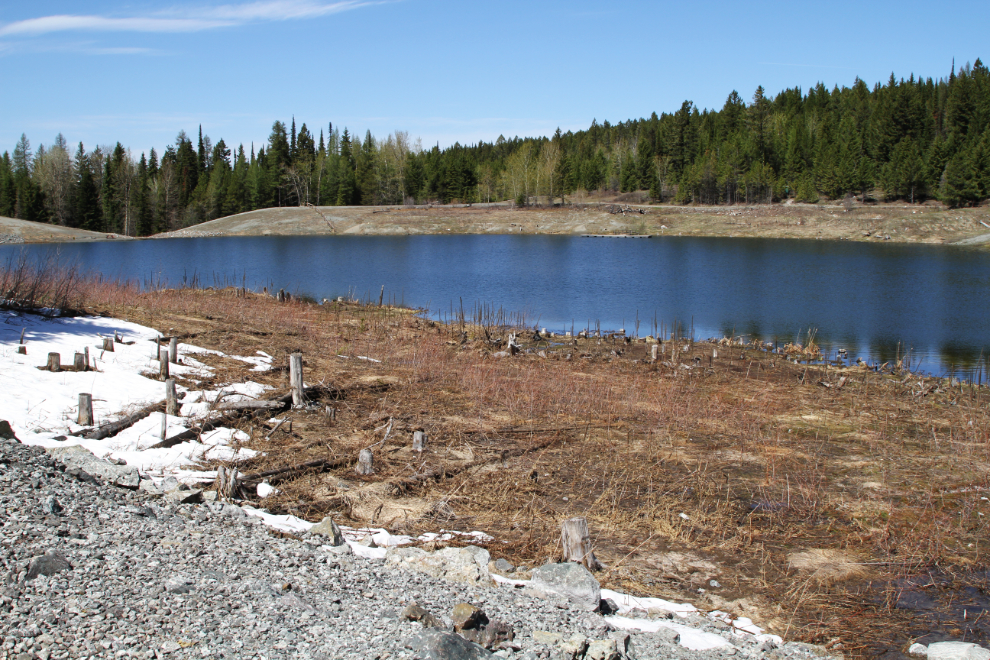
{"points": [[814, 496]]}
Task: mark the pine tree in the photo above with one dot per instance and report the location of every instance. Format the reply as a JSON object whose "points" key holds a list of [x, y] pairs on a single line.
{"points": [[345, 175], [87, 211]]}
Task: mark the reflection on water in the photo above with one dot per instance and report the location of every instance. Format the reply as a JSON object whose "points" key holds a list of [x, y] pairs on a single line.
{"points": [[880, 301]]}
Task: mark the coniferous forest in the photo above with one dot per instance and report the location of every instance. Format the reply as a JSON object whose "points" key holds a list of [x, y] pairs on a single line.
{"points": [[910, 140]]}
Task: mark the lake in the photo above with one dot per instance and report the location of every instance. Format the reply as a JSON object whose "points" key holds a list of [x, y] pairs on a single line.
{"points": [[877, 300]]}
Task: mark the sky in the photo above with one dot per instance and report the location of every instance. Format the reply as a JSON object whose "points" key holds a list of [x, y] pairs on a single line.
{"points": [[137, 72]]}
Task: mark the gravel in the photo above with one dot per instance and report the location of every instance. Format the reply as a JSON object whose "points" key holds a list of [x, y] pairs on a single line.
{"points": [[89, 570]]}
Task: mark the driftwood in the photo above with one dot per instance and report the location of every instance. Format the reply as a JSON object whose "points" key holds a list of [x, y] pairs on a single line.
{"points": [[575, 543], [114, 428]]}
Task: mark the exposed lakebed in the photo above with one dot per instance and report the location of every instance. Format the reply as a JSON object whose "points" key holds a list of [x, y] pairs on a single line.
{"points": [[879, 301]]}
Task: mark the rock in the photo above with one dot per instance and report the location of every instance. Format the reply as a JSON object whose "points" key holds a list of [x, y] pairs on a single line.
{"points": [[6, 432], [338, 549], [608, 607], [602, 649], [436, 645], [495, 633], [148, 486], [413, 612], [547, 638], [468, 565], [178, 584], [51, 506], [49, 564], [572, 581], [368, 541], [575, 645], [503, 566], [80, 458], [468, 617], [327, 527], [918, 649], [621, 638], [659, 613], [185, 496], [957, 651], [169, 484]]}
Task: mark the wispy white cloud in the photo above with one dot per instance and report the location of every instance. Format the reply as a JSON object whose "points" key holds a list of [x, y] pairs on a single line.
{"points": [[189, 19]]}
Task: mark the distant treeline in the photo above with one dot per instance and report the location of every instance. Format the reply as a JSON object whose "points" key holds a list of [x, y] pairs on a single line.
{"points": [[909, 139]]}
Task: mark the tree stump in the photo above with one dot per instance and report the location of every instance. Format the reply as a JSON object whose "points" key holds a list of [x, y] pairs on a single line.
{"points": [[85, 417], [171, 400], [163, 364], [227, 483], [365, 464], [296, 378], [86, 356], [79, 362], [54, 362], [654, 352], [575, 542], [173, 350], [419, 440], [22, 350], [108, 344], [331, 414]]}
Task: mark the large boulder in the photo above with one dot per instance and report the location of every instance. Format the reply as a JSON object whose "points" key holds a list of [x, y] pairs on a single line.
{"points": [[468, 565], [49, 564], [7, 433], [570, 580], [436, 645], [957, 651], [81, 459]]}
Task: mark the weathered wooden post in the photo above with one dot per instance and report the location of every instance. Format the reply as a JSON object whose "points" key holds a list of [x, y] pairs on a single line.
{"points": [[654, 352], [163, 363], [22, 336], [173, 350], [575, 543], [22, 349], [54, 362], [296, 378], [227, 482], [171, 400], [108, 344], [78, 362], [164, 426], [365, 464], [85, 417], [331, 414], [86, 356], [419, 440]]}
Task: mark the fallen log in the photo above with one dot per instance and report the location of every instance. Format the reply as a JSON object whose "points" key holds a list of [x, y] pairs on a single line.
{"points": [[279, 475], [248, 405], [107, 430]]}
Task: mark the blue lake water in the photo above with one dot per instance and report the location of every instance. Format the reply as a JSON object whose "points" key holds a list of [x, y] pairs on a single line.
{"points": [[876, 300]]}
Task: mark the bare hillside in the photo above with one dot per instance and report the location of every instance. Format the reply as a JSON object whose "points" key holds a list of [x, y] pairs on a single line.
{"points": [[13, 230]]}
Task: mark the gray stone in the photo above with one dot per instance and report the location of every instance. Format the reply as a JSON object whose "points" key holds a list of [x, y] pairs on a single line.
{"points": [[51, 563], [467, 617], [6, 432], [327, 527], [185, 496], [468, 565], [51, 506], [602, 649], [503, 566], [413, 612], [436, 645], [957, 651], [572, 581], [178, 584], [148, 486], [80, 458]]}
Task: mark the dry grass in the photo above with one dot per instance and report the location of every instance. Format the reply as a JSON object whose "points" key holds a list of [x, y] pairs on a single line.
{"points": [[810, 505]]}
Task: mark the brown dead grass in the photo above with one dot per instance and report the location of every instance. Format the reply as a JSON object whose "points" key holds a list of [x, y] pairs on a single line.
{"points": [[799, 499]]}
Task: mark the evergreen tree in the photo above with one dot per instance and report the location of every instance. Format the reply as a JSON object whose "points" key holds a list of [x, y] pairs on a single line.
{"points": [[346, 186]]}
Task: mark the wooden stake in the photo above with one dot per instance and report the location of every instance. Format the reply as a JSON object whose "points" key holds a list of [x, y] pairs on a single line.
{"points": [[163, 363], [365, 464], [79, 362], [86, 357], [575, 542], [22, 336], [296, 378], [85, 417], [419, 440], [171, 400], [54, 362], [173, 350]]}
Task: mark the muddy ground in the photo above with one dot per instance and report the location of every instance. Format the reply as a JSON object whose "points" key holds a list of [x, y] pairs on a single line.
{"points": [[837, 504]]}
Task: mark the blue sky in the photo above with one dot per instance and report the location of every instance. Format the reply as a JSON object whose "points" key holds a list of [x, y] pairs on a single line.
{"points": [[445, 71]]}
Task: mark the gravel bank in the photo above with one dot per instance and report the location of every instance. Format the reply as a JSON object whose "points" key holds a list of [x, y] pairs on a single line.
{"points": [[91, 570]]}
